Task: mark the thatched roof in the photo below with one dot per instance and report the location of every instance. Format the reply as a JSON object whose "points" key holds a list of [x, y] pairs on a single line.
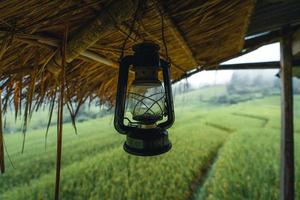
{"points": [[198, 33]]}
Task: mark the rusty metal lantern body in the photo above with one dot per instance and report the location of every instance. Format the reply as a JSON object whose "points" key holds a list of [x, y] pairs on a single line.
{"points": [[145, 111]]}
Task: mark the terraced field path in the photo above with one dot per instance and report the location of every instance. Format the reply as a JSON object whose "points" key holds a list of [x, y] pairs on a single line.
{"points": [[247, 165]]}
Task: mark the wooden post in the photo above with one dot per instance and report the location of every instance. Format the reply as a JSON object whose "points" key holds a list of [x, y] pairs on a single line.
{"points": [[287, 181]]}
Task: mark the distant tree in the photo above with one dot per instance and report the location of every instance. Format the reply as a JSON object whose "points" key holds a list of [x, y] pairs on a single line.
{"points": [[258, 81], [244, 86], [238, 83]]}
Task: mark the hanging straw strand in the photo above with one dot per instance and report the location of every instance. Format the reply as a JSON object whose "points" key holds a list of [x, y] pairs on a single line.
{"points": [[2, 165], [60, 115], [51, 108]]}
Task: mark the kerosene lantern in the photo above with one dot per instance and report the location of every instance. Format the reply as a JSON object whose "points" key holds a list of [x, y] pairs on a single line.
{"points": [[145, 111]]}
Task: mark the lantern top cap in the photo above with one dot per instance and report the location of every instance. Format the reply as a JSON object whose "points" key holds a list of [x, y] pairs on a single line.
{"points": [[146, 46]]}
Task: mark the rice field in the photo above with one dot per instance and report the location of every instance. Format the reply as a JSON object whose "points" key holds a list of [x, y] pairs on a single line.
{"points": [[219, 152]]}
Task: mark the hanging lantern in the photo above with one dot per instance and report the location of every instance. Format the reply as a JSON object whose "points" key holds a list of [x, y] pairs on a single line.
{"points": [[145, 111]]}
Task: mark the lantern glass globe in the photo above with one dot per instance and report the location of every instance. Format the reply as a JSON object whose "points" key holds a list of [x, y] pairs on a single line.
{"points": [[146, 102]]}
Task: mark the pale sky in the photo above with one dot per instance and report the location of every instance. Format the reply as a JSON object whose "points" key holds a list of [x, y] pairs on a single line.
{"points": [[263, 54]]}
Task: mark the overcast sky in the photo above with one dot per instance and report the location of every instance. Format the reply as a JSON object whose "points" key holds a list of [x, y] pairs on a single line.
{"points": [[263, 54]]}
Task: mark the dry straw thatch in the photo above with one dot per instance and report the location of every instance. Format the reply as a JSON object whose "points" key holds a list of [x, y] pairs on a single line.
{"points": [[197, 33], [192, 33]]}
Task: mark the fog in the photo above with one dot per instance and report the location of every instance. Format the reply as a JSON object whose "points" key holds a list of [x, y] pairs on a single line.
{"points": [[263, 54]]}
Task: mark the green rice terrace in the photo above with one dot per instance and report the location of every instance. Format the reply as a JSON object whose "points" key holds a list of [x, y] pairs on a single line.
{"points": [[219, 152]]}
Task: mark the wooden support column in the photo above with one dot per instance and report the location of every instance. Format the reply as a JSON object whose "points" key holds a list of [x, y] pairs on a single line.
{"points": [[287, 176]]}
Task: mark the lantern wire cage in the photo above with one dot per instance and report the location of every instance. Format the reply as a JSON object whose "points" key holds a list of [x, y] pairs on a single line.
{"points": [[153, 109]]}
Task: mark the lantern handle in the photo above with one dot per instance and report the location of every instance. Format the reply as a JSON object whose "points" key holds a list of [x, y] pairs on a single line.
{"points": [[169, 98], [121, 95]]}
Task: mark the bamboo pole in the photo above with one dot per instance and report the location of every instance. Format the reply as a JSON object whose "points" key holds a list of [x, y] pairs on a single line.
{"points": [[60, 116], [40, 40], [96, 57], [89, 34], [2, 163]]}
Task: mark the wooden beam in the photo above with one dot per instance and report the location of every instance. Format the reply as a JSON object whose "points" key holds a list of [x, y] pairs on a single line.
{"points": [[96, 57], [241, 66], [254, 66], [287, 180], [254, 42], [52, 42], [264, 39], [176, 33], [80, 40], [49, 42]]}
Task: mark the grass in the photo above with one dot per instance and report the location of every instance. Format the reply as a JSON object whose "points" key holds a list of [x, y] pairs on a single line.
{"points": [[248, 167], [113, 174], [244, 137], [94, 164]]}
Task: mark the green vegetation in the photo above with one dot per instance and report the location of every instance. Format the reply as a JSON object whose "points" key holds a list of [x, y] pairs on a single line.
{"points": [[219, 152], [95, 166], [248, 165]]}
